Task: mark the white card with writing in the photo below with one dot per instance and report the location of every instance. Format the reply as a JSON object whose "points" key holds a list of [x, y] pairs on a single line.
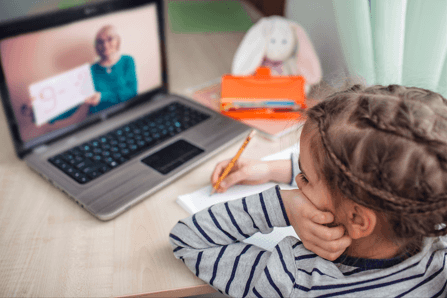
{"points": [[58, 94]]}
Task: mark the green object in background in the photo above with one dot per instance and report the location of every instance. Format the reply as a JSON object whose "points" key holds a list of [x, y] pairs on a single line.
{"points": [[395, 42], [425, 44], [354, 28], [208, 16], [70, 3], [388, 26]]}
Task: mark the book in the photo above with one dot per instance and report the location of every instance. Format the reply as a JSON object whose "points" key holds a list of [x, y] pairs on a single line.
{"points": [[201, 199], [208, 94]]}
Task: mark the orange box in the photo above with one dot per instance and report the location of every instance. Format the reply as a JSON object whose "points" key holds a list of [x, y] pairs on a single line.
{"points": [[262, 96]]}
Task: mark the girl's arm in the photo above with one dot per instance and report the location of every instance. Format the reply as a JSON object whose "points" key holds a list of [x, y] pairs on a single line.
{"points": [[209, 243]]}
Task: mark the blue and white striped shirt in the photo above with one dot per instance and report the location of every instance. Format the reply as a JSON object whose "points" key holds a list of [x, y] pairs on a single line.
{"points": [[210, 244]]}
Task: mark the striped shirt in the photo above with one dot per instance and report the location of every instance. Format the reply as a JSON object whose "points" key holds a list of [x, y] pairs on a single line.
{"points": [[210, 243]]}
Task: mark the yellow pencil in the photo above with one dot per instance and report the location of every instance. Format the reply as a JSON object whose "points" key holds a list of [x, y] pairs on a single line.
{"points": [[232, 162]]}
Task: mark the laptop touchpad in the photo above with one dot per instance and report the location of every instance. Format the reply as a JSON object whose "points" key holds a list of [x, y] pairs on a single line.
{"points": [[172, 156]]}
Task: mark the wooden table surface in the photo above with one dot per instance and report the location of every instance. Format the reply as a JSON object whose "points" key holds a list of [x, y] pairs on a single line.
{"points": [[50, 247]]}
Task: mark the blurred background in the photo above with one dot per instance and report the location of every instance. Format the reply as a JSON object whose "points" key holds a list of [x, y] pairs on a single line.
{"points": [[380, 42], [316, 17]]}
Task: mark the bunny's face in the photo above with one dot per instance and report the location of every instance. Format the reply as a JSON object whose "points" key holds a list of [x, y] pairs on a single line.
{"points": [[280, 41]]}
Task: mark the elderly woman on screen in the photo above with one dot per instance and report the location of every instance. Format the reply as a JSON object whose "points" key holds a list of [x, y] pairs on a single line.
{"points": [[113, 76]]}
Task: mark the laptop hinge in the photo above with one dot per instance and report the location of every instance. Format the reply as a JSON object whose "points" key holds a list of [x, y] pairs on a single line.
{"points": [[159, 97], [40, 149]]}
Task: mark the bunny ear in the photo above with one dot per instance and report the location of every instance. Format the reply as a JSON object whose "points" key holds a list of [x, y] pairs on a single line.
{"points": [[252, 49], [307, 60]]}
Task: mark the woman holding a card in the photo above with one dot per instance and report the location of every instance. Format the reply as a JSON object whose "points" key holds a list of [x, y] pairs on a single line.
{"points": [[113, 76]]}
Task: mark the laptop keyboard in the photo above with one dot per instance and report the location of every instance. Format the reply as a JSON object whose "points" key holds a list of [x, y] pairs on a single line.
{"points": [[100, 155]]}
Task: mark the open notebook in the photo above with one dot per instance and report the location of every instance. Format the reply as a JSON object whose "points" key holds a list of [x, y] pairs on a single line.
{"points": [[201, 199]]}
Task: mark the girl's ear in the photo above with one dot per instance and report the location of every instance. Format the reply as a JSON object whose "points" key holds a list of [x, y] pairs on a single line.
{"points": [[360, 221], [252, 49], [307, 60]]}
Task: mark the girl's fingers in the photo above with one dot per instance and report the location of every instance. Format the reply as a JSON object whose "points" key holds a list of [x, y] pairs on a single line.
{"points": [[218, 170], [232, 179], [327, 233], [329, 255], [309, 210], [333, 246], [321, 217]]}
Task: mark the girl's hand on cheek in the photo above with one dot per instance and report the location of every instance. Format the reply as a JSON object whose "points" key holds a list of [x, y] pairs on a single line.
{"points": [[310, 224]]}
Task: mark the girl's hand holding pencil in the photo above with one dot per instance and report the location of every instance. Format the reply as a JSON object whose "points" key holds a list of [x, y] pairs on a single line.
{"points": [[248, 171], [244, 171], [233, 161]]}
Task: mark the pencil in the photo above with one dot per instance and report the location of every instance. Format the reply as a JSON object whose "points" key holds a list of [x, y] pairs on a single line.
{"points": [[232, 162]]}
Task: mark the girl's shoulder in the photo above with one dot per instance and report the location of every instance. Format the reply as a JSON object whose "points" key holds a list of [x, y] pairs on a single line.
{"points": [[442, 240]]}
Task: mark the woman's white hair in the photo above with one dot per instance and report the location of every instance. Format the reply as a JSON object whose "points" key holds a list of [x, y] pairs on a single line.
{"points": [[109, 28]]}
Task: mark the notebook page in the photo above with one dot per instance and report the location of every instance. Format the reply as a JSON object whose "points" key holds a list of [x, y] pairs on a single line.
{"points": [[201, 199]]}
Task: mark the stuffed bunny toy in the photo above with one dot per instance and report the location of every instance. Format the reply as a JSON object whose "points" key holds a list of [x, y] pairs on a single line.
{"points": [[280, 44]]}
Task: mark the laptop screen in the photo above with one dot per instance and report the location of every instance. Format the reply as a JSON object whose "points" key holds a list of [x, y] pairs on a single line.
{"points": [[64, 75]]}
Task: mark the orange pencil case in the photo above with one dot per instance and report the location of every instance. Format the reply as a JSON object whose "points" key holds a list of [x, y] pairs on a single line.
{"points": [[262, 96]]}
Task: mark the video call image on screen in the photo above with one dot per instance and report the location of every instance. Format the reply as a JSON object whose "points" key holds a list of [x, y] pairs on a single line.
{"points": [[60, 76]]}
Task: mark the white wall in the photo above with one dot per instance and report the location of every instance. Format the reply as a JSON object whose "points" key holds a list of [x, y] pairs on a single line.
{"points": [[317, 18]]}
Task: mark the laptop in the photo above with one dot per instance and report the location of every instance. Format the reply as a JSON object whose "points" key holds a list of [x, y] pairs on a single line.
{"points": [[85, 92]]}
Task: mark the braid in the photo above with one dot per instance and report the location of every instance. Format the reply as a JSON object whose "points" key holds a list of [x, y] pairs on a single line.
{"points": [[401, 203], [405, 117], [419, 119]]}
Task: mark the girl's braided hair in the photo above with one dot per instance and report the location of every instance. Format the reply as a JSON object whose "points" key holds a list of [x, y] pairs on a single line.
{"points": [[385, 147]]}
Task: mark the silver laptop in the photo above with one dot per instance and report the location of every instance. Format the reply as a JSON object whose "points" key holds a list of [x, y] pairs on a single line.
{"points": [[85, 92]]}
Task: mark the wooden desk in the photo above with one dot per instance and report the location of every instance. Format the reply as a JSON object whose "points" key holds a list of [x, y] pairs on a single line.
{"points": [[50, 247]]}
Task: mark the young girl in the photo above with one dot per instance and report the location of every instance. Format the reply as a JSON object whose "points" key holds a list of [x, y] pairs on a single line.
{"points": [[375, 158]]}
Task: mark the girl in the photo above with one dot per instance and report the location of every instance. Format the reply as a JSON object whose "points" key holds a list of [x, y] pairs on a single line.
{"points": [[376, 158]]}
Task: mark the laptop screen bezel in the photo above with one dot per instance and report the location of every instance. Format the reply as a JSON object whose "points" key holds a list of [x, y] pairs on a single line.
{"points": [[31, 24]]}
